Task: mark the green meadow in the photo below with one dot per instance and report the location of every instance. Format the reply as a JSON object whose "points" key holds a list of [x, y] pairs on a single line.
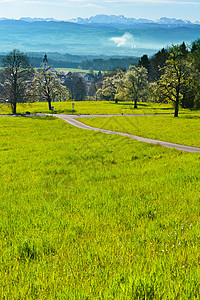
{"points": [[76, 70], [93, 107], [85, 215], [184, 130]]}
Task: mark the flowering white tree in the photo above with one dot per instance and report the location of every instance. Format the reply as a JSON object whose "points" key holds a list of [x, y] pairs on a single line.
{"points": [[134, 84], [47, 87], [111, 85]]}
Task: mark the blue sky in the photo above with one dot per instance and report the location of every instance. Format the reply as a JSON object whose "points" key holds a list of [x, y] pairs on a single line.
{"points": [[66, 9]]}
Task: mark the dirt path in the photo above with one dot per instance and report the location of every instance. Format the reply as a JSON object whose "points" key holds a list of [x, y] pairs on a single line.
{"points": [[71, 120]]}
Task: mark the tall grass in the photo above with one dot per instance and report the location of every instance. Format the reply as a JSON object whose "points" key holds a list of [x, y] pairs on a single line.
{"points": [[85, 215]]}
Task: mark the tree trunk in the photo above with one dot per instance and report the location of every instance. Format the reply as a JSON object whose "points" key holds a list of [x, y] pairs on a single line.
{"points": [[49, 102], [176, 109], [135, 103], [14, 108], [177, 103]]}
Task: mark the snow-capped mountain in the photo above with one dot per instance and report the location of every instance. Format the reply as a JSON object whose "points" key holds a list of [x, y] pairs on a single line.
{"points": [[28, 19], [113, 19]]}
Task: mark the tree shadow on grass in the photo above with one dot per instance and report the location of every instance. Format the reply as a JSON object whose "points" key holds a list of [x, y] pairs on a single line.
{"points": [[190, 117], [43, 118], [65, 111], [146, 105], [127, 104]]}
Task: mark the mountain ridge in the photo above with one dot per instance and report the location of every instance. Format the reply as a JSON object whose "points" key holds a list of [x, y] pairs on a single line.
{"points": [[114, 19]]}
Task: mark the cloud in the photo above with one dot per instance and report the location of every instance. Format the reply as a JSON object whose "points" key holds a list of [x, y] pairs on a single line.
{"points": [[188, 2], [63, 3], [100, 3], [127, 40]]}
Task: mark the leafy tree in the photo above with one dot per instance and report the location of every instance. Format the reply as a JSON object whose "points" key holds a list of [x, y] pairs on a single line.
{"points": [[178, 77], [47, 87], [76, 86], [110, 85], [157, 62], [134, 84], [92, 89], [145, 62], [15, 80], [80, 91], [70, 84], [195, 53], [183, 50]]}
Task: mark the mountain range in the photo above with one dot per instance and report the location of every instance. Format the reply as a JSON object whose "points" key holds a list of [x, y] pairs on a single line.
{"points": [[97, 36], [113, 19]]}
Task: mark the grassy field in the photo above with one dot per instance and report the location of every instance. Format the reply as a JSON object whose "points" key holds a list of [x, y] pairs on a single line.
{"points": [[93, 107], [184, 130], [76, 70], [85, 215]]}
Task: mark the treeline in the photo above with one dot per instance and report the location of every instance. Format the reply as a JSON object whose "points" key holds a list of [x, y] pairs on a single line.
{"points": [[155, 63], [21, 83], [171, 75], [100, 64], [109, 64]]}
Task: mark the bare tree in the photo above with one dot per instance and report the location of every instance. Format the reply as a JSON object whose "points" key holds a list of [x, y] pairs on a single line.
{"points": [[15, 79]]}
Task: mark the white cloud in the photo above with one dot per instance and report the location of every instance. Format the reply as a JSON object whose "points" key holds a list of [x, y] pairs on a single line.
{"points": [[155, 2]]}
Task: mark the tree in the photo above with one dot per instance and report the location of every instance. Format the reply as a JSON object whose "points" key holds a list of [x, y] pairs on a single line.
{"points": [[80, 91], [134, 84], [178, 78], [91, 70], [195, 53], [110, 85], [76, 86], [145, 62], [92, 89], [157, 62], [15, 79], [47, 87], [183, 50]]}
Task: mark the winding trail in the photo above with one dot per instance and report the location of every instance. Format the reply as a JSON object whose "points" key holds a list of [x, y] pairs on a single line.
{"points": [[71, 120]]}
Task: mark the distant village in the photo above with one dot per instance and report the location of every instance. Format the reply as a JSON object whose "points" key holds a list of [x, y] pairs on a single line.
{"points": [[79, 84]]}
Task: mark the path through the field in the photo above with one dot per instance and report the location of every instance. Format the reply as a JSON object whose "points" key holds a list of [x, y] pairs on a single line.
{"points": [[71, 120]]}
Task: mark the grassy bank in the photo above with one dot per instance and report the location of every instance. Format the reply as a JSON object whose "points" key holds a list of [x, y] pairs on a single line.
{"points": [[85, 215]]}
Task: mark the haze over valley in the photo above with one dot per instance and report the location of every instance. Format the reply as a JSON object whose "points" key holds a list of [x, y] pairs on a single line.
{"points": [[97, 36]]}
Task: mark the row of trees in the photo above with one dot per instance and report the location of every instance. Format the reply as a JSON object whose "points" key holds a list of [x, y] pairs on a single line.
{"points": [[20, 83], [131, 85], [177, 80]]}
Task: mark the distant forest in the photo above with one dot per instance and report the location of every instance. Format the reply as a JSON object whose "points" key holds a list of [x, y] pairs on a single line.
{"points": [[57, 60]]}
